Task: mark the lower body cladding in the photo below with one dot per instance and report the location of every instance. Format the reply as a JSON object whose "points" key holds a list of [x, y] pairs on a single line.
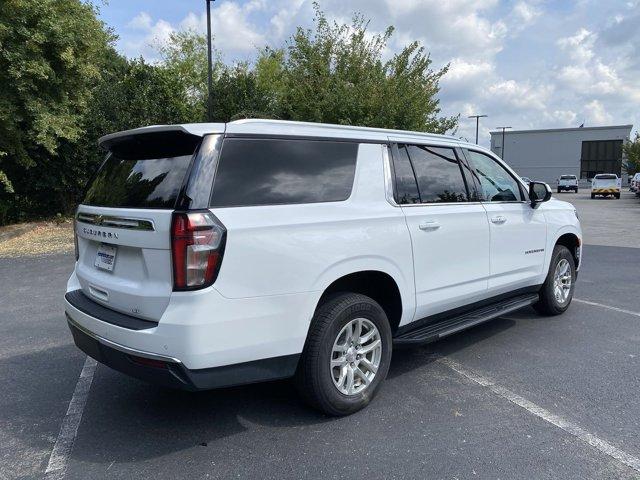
{"points": [[170, 372], [202, 342]]}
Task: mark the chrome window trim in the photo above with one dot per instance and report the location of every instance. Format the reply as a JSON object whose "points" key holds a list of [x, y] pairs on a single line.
{"points": [[509, 170], [121, 348], [115, 222], [438, 204], [389, 190]]}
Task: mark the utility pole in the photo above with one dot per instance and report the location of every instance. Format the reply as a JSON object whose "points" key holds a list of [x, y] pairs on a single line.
{"points": [[503, 129], [477, 117], [210, 63]]}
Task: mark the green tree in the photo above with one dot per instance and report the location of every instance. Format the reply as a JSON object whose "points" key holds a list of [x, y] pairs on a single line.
{"points": [[132, 94], [184, 56], [64, 86], [632, 152], [236, 93], [336, 74], [50, 52]]}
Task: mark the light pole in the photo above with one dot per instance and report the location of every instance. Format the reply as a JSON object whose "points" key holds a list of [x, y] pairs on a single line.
{"points": [[503, 129], [477, 117], [210, 65]]}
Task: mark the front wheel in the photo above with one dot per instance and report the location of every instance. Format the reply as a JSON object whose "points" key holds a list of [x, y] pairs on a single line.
{"points": [[557, 290], [346, 355], [593, 195]]}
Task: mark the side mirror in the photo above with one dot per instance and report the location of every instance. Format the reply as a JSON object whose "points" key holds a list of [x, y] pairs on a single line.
{"points": [[539, 192]]}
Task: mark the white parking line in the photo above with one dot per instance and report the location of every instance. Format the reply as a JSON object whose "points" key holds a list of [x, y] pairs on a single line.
{"points": [[616, 309], [569, 427], [57, 466]]}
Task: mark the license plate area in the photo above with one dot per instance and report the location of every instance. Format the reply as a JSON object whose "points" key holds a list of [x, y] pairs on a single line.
{"points": [[106, 257]]}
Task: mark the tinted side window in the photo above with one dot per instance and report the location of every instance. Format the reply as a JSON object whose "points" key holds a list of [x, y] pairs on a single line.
{"points": [[438, 173], [406, 190], [271, 172], [496, 184]]}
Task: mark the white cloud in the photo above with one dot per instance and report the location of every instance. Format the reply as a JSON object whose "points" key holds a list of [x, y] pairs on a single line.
{"points": [[146, 35], [230, 27], [466, 79], [525, 13], [142, 21], [233, 32], [510, 94], [597, 114], [525, 63], [563, 118], [579, 46]]}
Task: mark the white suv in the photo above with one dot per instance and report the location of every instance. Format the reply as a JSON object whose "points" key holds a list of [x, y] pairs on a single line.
{"points": [[211, 255]]}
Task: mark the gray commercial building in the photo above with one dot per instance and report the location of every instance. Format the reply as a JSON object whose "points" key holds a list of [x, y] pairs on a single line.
{"points": [[546, 154]]}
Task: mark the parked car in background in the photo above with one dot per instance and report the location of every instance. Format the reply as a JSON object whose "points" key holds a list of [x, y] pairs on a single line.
{"points": [[606, 184], [634, 183], [567, 183], [217, 254]]}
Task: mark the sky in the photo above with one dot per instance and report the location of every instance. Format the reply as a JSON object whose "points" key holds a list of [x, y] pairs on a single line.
{"points": [[524, 63]]}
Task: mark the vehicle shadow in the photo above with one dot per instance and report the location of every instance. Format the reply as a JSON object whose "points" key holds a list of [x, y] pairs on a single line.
{"points": [[126, 420]]}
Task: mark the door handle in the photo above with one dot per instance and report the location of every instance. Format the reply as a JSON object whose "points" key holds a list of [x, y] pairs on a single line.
{"points": [[432, 225], [499, 219]]}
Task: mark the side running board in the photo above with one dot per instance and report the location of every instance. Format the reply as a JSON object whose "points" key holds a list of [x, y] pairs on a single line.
{"points": [[435, 331]]}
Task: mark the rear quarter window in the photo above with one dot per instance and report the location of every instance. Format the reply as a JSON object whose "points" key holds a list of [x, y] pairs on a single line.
{"points": [[255, 172]]}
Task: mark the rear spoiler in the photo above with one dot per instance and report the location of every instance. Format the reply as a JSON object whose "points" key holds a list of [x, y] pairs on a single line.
{"points": [[108, 142]]}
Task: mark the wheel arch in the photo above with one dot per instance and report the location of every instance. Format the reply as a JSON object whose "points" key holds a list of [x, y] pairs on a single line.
{"points": [[573, 242], [376, 284]]}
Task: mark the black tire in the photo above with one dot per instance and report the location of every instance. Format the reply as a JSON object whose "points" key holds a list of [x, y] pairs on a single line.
{"points": [[576, 190], [617, 195], [593, 195], [548, 303], [314, 378], [558, 190]]}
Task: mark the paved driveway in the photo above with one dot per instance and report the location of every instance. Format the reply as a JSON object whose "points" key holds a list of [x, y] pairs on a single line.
{"points": [[520, 397]]}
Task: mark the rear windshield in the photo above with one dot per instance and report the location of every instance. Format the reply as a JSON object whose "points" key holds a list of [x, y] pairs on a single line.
{"points": [[277, 171], [145, 171], [567, 177], [606, 177]]}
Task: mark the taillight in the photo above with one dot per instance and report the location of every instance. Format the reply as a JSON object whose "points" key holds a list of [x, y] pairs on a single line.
{"points": [[197, 244]]}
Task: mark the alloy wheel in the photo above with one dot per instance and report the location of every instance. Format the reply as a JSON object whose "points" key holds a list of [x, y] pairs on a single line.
{"points": [[356, 356]]}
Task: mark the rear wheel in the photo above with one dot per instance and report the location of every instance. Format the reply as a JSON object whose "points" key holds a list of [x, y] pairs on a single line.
{"points": [[557, 290], [617, 195], [346, 356], [558, 190], [593, 195]]}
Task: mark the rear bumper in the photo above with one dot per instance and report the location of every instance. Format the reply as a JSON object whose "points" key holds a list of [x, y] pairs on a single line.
{"points": [[171, 372]]}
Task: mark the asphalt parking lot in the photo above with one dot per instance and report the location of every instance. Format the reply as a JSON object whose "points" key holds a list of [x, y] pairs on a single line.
{"points": [[520, 397]]}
